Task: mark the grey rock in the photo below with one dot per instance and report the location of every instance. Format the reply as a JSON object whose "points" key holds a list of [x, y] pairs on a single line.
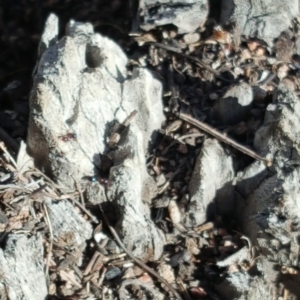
{"points": [[233, 106], [211, 184], [22, 268], [82, 87], [186, 15], [262, 19]]}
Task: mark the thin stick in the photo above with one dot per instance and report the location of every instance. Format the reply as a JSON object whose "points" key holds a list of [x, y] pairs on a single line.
{"points": [[94, 219], [91, 263], [127, 121], [51, 239], [286, 294], [102, 278], [223, 138], [183, 289], [78, 186], [137, 261], [2, 146]]}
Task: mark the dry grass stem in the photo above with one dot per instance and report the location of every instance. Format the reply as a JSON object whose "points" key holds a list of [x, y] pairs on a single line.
{"points": [[223, 138], [2, 146], [51, 239]]}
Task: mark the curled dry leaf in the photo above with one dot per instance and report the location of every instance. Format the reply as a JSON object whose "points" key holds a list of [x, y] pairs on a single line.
{"points": [[174, 212]]}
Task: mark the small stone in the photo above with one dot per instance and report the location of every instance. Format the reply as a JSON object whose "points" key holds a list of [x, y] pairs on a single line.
{"points": [[3, 219], [112, 273], [191, 38], [213, 96]]}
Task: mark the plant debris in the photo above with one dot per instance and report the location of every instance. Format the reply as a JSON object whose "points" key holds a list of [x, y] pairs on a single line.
{"points": [[197, 69]]}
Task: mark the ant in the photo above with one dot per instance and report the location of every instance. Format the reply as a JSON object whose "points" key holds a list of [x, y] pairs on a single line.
{"points": [[102, 181], [69, 136]]}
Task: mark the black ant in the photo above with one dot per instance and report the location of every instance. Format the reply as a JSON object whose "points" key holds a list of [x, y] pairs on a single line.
{"points": [[68, 137]]}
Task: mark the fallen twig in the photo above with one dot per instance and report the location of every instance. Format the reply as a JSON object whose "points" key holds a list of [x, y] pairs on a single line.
{"points": [[136, 260], [2, 146], [183, 289], [51, 239], [94, 219], [223, 138]]}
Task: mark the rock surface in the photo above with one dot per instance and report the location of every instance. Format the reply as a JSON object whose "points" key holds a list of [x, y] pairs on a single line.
{"points": [[82, 87], [186, 15], [269, 214], [233, 107], [211, 184], [262, 19], [22, 268]]}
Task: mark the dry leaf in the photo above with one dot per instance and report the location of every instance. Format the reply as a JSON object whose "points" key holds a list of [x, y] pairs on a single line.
{"points": [[174, 212], [221, 36], [24, 161]]}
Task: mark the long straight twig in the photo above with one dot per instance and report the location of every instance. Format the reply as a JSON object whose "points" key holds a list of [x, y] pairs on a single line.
{"points": [[2, 146], [136, 260], [223, 138], [94, 219], [51, 239]]}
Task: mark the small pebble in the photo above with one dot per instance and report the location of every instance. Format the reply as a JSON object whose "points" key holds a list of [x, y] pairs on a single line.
{"points": [[213, 96], [191, 38], [112, 273]]}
